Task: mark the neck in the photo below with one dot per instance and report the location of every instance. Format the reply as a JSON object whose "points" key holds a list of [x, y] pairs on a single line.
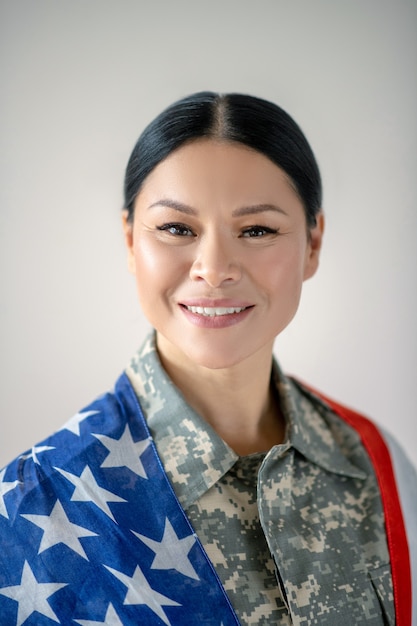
{"points": [[238, 402]]}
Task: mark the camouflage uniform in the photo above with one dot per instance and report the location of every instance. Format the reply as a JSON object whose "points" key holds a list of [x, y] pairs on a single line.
{"points": [[296, 534]]}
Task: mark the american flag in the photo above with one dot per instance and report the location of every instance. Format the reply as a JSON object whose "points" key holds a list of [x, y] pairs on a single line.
{"points": [[91, 531]]}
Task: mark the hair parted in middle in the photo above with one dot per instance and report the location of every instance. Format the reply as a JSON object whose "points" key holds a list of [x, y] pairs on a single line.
{"points": [[256, 123]]}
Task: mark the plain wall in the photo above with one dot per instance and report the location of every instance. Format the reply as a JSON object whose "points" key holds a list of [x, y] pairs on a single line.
{"points": [[79, 81]]}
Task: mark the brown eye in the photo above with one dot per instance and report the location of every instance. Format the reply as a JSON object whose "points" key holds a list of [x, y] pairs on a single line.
{"points": [[258, 231], [177, 230]]}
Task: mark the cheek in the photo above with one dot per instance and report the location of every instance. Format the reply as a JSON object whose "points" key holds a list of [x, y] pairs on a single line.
{"points": [[283, 270], [149, 258], [158, 267]]}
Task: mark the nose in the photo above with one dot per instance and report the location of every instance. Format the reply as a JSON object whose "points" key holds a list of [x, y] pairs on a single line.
{"points": [[216, 261]]}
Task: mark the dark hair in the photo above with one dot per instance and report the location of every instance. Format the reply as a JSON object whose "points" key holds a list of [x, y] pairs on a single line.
{"points": [[248, 120]]}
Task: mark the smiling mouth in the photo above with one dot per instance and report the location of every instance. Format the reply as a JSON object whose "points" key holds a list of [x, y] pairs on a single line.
{"points": [[217, 311]]}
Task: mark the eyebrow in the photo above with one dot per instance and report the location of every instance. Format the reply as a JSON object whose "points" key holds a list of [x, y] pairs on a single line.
{"points": [[240, 212], [173, 204], [257, 208]]}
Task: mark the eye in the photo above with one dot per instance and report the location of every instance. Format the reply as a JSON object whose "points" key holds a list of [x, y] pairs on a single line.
{"points": [[177, 230], [258, 231]]}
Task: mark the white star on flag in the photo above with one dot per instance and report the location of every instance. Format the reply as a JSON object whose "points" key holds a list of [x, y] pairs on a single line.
{"points": [[5, 488], [58, 529], [139, 591], [111, 619], [73, 424], [124, 452], [171, 552], [87, 490], [32, 596], [34, 451]]}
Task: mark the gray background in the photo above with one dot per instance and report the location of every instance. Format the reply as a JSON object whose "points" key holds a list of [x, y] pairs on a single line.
{"points": [[80, 79]]}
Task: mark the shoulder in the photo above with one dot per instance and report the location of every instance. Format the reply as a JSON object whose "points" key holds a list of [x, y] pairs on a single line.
{"points": [[406, 475], [397, 479], [381, 446], [73, 447]]}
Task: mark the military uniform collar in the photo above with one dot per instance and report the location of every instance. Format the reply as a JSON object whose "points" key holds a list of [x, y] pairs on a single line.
{"points": [[313, 429], [195, 457]]}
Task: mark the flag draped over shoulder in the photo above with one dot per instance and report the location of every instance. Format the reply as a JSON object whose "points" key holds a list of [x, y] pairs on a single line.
{"points": [[91, 531]]}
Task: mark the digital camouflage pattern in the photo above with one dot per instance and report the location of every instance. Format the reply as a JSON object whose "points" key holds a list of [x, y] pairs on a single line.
{"points": [[296, 535]]}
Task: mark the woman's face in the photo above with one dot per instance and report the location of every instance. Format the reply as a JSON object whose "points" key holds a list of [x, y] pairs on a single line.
{"points": [[219, 247]]}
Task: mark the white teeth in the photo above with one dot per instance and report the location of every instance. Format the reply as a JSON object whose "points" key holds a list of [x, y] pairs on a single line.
{"points": [[213, 311]]}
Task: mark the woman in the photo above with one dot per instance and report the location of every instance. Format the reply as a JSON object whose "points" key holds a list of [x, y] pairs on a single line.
{"points": [[209, 488]]}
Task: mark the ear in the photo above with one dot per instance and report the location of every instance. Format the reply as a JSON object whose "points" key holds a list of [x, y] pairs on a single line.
{"points": [[128, 235], [314, 247]]}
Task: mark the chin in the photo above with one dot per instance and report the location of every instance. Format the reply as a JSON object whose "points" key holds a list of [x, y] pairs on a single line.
{"points": [[213, 355], [220, 354], [212, 358], [215, 352]]}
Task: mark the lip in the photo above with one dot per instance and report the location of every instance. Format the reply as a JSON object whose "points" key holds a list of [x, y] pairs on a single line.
{"points": [[217, 303], [216, 321]]}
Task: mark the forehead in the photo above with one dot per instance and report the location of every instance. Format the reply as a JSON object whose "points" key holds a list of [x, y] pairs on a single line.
{"points": [[215, 170]]}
